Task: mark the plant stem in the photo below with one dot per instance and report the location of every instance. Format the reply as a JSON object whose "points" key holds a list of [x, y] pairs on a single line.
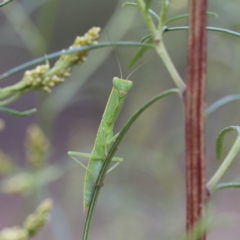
{"points": [[162, 52], [195, 115], [148, 20], [11, 99], [163, 14]]}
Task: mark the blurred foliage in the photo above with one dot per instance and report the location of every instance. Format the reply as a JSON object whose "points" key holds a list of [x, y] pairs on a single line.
{"points": [[145, 196]]}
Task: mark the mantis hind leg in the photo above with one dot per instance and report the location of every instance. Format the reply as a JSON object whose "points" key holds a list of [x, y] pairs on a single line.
{"points": [[76, 160]]}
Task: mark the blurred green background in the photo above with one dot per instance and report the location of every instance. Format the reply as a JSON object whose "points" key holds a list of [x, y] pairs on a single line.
{"points": [[144, 198]]}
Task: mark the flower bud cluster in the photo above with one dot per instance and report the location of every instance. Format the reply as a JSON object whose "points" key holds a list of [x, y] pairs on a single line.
{"points": [[37, 146], [44, 78], [89, 38], [32, 225], [37, 220]]}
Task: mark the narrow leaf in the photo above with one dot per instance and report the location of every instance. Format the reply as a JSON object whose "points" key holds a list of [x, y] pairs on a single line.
{"points": [[211, 14], [220, 138], [17, 113], [145, 38], [138, 54], [5, 3], [213, 29], [228, 185], [220, 103]]}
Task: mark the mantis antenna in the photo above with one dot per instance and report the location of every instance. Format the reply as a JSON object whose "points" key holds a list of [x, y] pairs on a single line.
{"points": [[119, 65], [137, 68]]}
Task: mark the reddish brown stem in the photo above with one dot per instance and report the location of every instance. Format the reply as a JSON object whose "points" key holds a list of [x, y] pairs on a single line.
{"points": [[194, 113]]}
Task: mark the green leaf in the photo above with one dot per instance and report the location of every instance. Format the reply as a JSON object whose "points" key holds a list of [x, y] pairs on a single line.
{"points": [[138, 54], [5, 3], [213, 29], [220, 138], [212, 14], [144, 39], [220, 103], [17, 113], [228, 185]]}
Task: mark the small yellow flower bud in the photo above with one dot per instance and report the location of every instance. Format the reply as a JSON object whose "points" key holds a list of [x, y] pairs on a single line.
{"points": [[14, 233]]}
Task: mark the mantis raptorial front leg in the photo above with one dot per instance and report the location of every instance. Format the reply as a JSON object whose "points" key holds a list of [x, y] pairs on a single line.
{"points": [[104, 138]]}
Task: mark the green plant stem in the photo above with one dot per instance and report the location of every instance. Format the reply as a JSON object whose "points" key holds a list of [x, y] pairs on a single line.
{"points": [[162, 52], [148, 20], [163, 15], [11, 99], [7, 91], [159, 45], [111, 153], [17, 113], [224, 166]]}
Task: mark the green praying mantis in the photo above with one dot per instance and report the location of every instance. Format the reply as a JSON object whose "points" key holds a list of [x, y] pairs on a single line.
{"points": [[104, 138]]}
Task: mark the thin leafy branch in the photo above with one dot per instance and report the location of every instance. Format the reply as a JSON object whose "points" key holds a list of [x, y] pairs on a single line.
{"points": [[228, 159], [171, 29], [157, 36], [17, 113]]}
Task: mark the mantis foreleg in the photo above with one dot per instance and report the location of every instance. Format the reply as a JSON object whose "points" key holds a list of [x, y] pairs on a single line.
{"points": [[88, 155]]}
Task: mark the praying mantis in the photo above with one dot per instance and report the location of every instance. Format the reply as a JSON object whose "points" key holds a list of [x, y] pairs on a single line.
{"points": [[104, 138]]}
